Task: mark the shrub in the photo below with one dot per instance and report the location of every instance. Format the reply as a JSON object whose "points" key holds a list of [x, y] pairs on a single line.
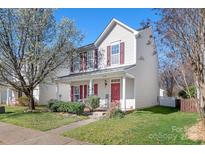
{"points": [[184, 93], [51, 102], [54, 107], [70, 107], [23, 101], [76, 107], [93, 102], [115, 113]]}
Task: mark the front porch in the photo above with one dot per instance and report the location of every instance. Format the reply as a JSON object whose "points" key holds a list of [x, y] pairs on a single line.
{"points": [[113, 89]]}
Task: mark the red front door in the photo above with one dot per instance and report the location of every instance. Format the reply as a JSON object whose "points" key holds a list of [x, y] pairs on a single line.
{"points": [[115, 93]]}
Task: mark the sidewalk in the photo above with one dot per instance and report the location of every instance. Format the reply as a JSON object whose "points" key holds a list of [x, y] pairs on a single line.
{"points": [[71, 126], [12, 134]]}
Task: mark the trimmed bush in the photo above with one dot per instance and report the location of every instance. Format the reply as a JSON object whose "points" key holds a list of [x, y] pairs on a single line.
{"points": [[23, 101], [70, 107], [93, 102], [54, 107], [51, 102]]}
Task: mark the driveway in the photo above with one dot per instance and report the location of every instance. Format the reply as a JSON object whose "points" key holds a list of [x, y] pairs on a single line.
{"points": [[12, 134]]}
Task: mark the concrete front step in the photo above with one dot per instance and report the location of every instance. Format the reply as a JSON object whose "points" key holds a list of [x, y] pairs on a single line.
{"points": [[98, 115]]}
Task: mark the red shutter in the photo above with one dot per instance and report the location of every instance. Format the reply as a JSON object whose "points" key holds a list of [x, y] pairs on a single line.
{"points": [[71, 93], [81, 92], [96, 89], [71, 65], [122, 52], [85, 60], [85, 91], [96, 58], [108, 55], [81, 61]]}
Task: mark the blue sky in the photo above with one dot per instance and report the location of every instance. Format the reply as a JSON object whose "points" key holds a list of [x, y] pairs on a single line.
{"points": [[93, 21]]}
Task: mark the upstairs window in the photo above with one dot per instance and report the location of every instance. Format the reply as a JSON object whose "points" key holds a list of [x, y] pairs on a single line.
{"points": [[76, 64], [115, 56], [90, 59]]}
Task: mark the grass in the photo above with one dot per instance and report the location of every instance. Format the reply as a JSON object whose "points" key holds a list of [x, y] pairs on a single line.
{"points": [[39, 120], [156, 125]]}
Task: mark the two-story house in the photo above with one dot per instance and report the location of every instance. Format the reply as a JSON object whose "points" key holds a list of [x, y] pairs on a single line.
{"points": [[120, 67]]}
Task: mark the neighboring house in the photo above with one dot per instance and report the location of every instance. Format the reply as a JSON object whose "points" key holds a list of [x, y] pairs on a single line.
{"points": [[120, 67], [7, 95], [42, 93], [162, 92]]}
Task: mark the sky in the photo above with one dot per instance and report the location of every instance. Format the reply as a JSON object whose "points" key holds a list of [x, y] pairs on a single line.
{"points": [[92, 22]]}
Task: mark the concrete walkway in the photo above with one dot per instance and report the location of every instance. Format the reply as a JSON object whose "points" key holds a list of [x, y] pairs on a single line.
{"points": [[12, 134], [71, 126]]}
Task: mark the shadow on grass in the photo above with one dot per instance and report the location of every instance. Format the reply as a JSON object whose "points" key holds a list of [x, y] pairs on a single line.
{"points": [[17, 114], [6, 113], [161, 110]]}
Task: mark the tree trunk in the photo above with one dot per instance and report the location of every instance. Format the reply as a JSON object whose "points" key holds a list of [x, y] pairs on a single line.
{"points": [[200, 102], [31, 103]]}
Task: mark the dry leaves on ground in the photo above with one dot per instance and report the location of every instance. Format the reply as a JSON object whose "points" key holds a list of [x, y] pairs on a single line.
{"points": [[196, 132]]}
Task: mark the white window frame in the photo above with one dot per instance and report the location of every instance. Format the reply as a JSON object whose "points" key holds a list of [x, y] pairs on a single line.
{"points": [[115, 80], [118, 54], [90, 60], [76, 93], [76, 64]]}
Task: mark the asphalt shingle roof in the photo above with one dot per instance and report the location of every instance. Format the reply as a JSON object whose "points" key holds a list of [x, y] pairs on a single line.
{"points": [[107, 70]]}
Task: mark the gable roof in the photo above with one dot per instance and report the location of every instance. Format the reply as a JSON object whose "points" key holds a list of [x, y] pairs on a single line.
{"points": [[87, 46], [110, 26]]}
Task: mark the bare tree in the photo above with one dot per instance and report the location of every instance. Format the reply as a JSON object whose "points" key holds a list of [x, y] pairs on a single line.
{"points": [[32, 46], [183, 31], [167, 81]]}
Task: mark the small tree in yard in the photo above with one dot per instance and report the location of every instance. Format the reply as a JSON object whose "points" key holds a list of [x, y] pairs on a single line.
{"points": [[32, 46], [183, 32], [188, 93]]}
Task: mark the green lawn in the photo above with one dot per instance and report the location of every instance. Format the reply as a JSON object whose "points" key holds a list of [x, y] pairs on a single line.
{"points": [[157, 125], [40, 120]]}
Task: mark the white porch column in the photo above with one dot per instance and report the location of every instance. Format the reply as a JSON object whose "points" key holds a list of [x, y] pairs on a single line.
{"points": [[57, 91], [124, 92], [7, 96], [91, 87]]}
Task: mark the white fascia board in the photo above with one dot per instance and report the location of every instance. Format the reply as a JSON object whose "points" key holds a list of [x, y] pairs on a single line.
{"points": [[110, 25]]}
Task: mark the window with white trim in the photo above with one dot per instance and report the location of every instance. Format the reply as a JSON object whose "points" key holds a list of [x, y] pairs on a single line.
{"points": [[76, 93], [76, 64], [115, 54], [90, 59], [115, 80]]}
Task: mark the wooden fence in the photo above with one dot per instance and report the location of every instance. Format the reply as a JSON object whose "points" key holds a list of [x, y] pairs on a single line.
{"points": [[188, 105]]}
